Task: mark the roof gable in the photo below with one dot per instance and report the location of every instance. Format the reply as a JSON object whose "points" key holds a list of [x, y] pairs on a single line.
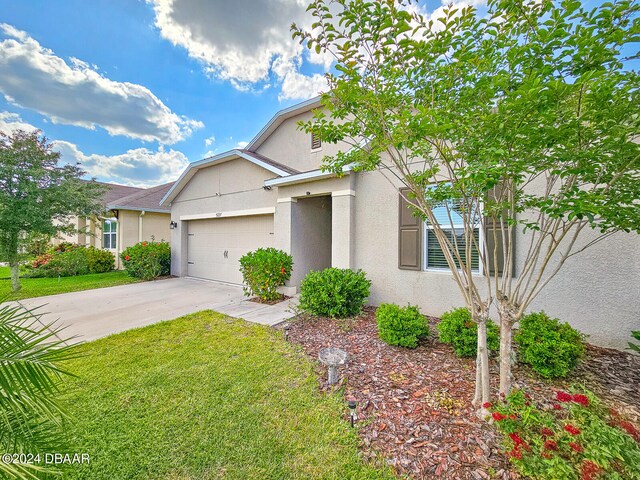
{"points": [[146, 199], [255, 158], [280, 117]]}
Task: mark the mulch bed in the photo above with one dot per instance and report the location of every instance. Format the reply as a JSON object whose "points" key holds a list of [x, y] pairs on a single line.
{"points": [[414, 406], [269, 302]]}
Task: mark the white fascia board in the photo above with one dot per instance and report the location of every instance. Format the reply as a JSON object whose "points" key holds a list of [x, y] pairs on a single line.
{"points": [[138, 209], [279, 117], [210, 161], [231, 213], [304, 177]]}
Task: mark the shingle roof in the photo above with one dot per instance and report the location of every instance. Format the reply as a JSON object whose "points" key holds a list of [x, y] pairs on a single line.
{"points": [[144, 199], [115, 191]]}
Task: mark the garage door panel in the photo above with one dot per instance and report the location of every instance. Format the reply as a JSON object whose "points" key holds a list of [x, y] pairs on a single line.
{"points": [[216, 245]]}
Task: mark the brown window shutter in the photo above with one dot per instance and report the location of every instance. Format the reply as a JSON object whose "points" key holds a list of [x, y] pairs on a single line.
{"points": [[490, 242], [409, 235]]}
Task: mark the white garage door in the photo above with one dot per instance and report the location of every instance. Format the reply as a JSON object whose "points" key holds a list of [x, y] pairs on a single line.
{"points": [[216, 245]]}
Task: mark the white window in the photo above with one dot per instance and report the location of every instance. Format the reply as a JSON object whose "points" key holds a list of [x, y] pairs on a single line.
{"points": [[453, 226], [110, 234]]}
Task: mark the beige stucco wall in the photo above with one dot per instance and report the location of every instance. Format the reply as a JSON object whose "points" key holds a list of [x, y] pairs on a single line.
{"points": [[291, 146], [597, 292], [230, 186]]}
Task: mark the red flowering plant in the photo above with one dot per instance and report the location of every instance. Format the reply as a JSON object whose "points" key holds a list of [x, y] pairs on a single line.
{"points": [[263, 271], [147, 260], [581, 440]]}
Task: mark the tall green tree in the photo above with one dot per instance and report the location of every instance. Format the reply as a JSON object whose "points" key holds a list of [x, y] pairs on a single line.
{"points": [[38, 196], [523, 120]]}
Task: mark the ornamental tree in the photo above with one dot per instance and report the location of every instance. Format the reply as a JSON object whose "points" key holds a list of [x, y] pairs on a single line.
{"points": [[524, 120], [37, 195]]}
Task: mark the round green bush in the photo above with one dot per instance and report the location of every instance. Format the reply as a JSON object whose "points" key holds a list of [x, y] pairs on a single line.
{"points": [[147, 260], [264, 270], [401, 326], [334, 292], [550, 347], [68, 261], [458, 329], [99, 261]]}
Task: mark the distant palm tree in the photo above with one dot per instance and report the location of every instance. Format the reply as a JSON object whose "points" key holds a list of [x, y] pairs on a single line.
{"points": [[31, 421]]}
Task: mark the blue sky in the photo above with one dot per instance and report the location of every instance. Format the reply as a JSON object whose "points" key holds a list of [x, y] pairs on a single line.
{"points": [[134, 89]]}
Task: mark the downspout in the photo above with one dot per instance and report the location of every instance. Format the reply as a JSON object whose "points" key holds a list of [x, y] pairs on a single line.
{"points": [[140, 225]]}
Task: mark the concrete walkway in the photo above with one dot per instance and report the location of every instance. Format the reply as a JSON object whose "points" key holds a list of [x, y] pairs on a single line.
{"points": [[92, 314]]}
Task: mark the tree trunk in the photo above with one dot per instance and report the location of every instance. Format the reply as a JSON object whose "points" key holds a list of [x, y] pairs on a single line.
{"points": [[506, 329], [483, 387], [14, 264]]}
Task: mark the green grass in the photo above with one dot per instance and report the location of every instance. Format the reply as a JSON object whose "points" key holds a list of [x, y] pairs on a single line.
{"points": [[202, 397], [37, 287]]}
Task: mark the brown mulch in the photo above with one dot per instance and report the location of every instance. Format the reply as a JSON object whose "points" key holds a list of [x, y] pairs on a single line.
{"points": [[414, 406], [269, 302]]}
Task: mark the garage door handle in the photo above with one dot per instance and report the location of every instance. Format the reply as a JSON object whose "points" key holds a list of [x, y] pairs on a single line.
{"points": [[190, 263]]}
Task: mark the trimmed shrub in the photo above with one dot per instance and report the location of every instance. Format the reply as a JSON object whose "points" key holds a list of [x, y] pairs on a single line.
{"points": [[264, 270], [100, 261], [334, 292], [69, 262], [457, 328], [401, 326], [147, 260], [550, 347]]}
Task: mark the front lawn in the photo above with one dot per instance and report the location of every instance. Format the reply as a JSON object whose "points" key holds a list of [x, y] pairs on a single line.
{"points": [[37, 287], [206, 396]]}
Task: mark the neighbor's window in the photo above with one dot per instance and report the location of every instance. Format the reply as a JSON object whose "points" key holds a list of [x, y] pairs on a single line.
{"points": [[315, 141], [109, 234], [453, 227]]}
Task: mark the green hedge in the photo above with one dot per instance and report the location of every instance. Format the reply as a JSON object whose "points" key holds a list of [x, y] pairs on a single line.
{"points": [[457, 328], [401, 326], [334, 292], [550, 347]]}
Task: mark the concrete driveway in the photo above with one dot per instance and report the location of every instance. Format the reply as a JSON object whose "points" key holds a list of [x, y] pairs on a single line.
{"points": [[92, 314]]}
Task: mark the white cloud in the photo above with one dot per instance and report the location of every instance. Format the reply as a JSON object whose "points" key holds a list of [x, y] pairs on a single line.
{"points": [[11, 122], [140, 167], [210, 141], [241, 144], [243, 41], [75, 93]]}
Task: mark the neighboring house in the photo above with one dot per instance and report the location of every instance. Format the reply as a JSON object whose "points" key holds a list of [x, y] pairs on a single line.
{"points": [[131, 215], [272, 193]]}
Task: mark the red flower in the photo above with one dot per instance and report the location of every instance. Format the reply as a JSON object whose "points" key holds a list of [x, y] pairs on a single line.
{"points": [[576, 447], [127, 258], [513, 416], [283, 271], [550, 445], [144, 244], [581, 399], [546, 432], [497, 416], [516, 453], [546, 455], [516, 439], [486, 405], [589, 470], [563, 396], [557, 406], [630, 429], [572, 430]]}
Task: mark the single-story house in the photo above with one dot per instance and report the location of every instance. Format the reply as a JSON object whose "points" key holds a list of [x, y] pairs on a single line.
{"points": [[131, 215], [273, 193]]}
